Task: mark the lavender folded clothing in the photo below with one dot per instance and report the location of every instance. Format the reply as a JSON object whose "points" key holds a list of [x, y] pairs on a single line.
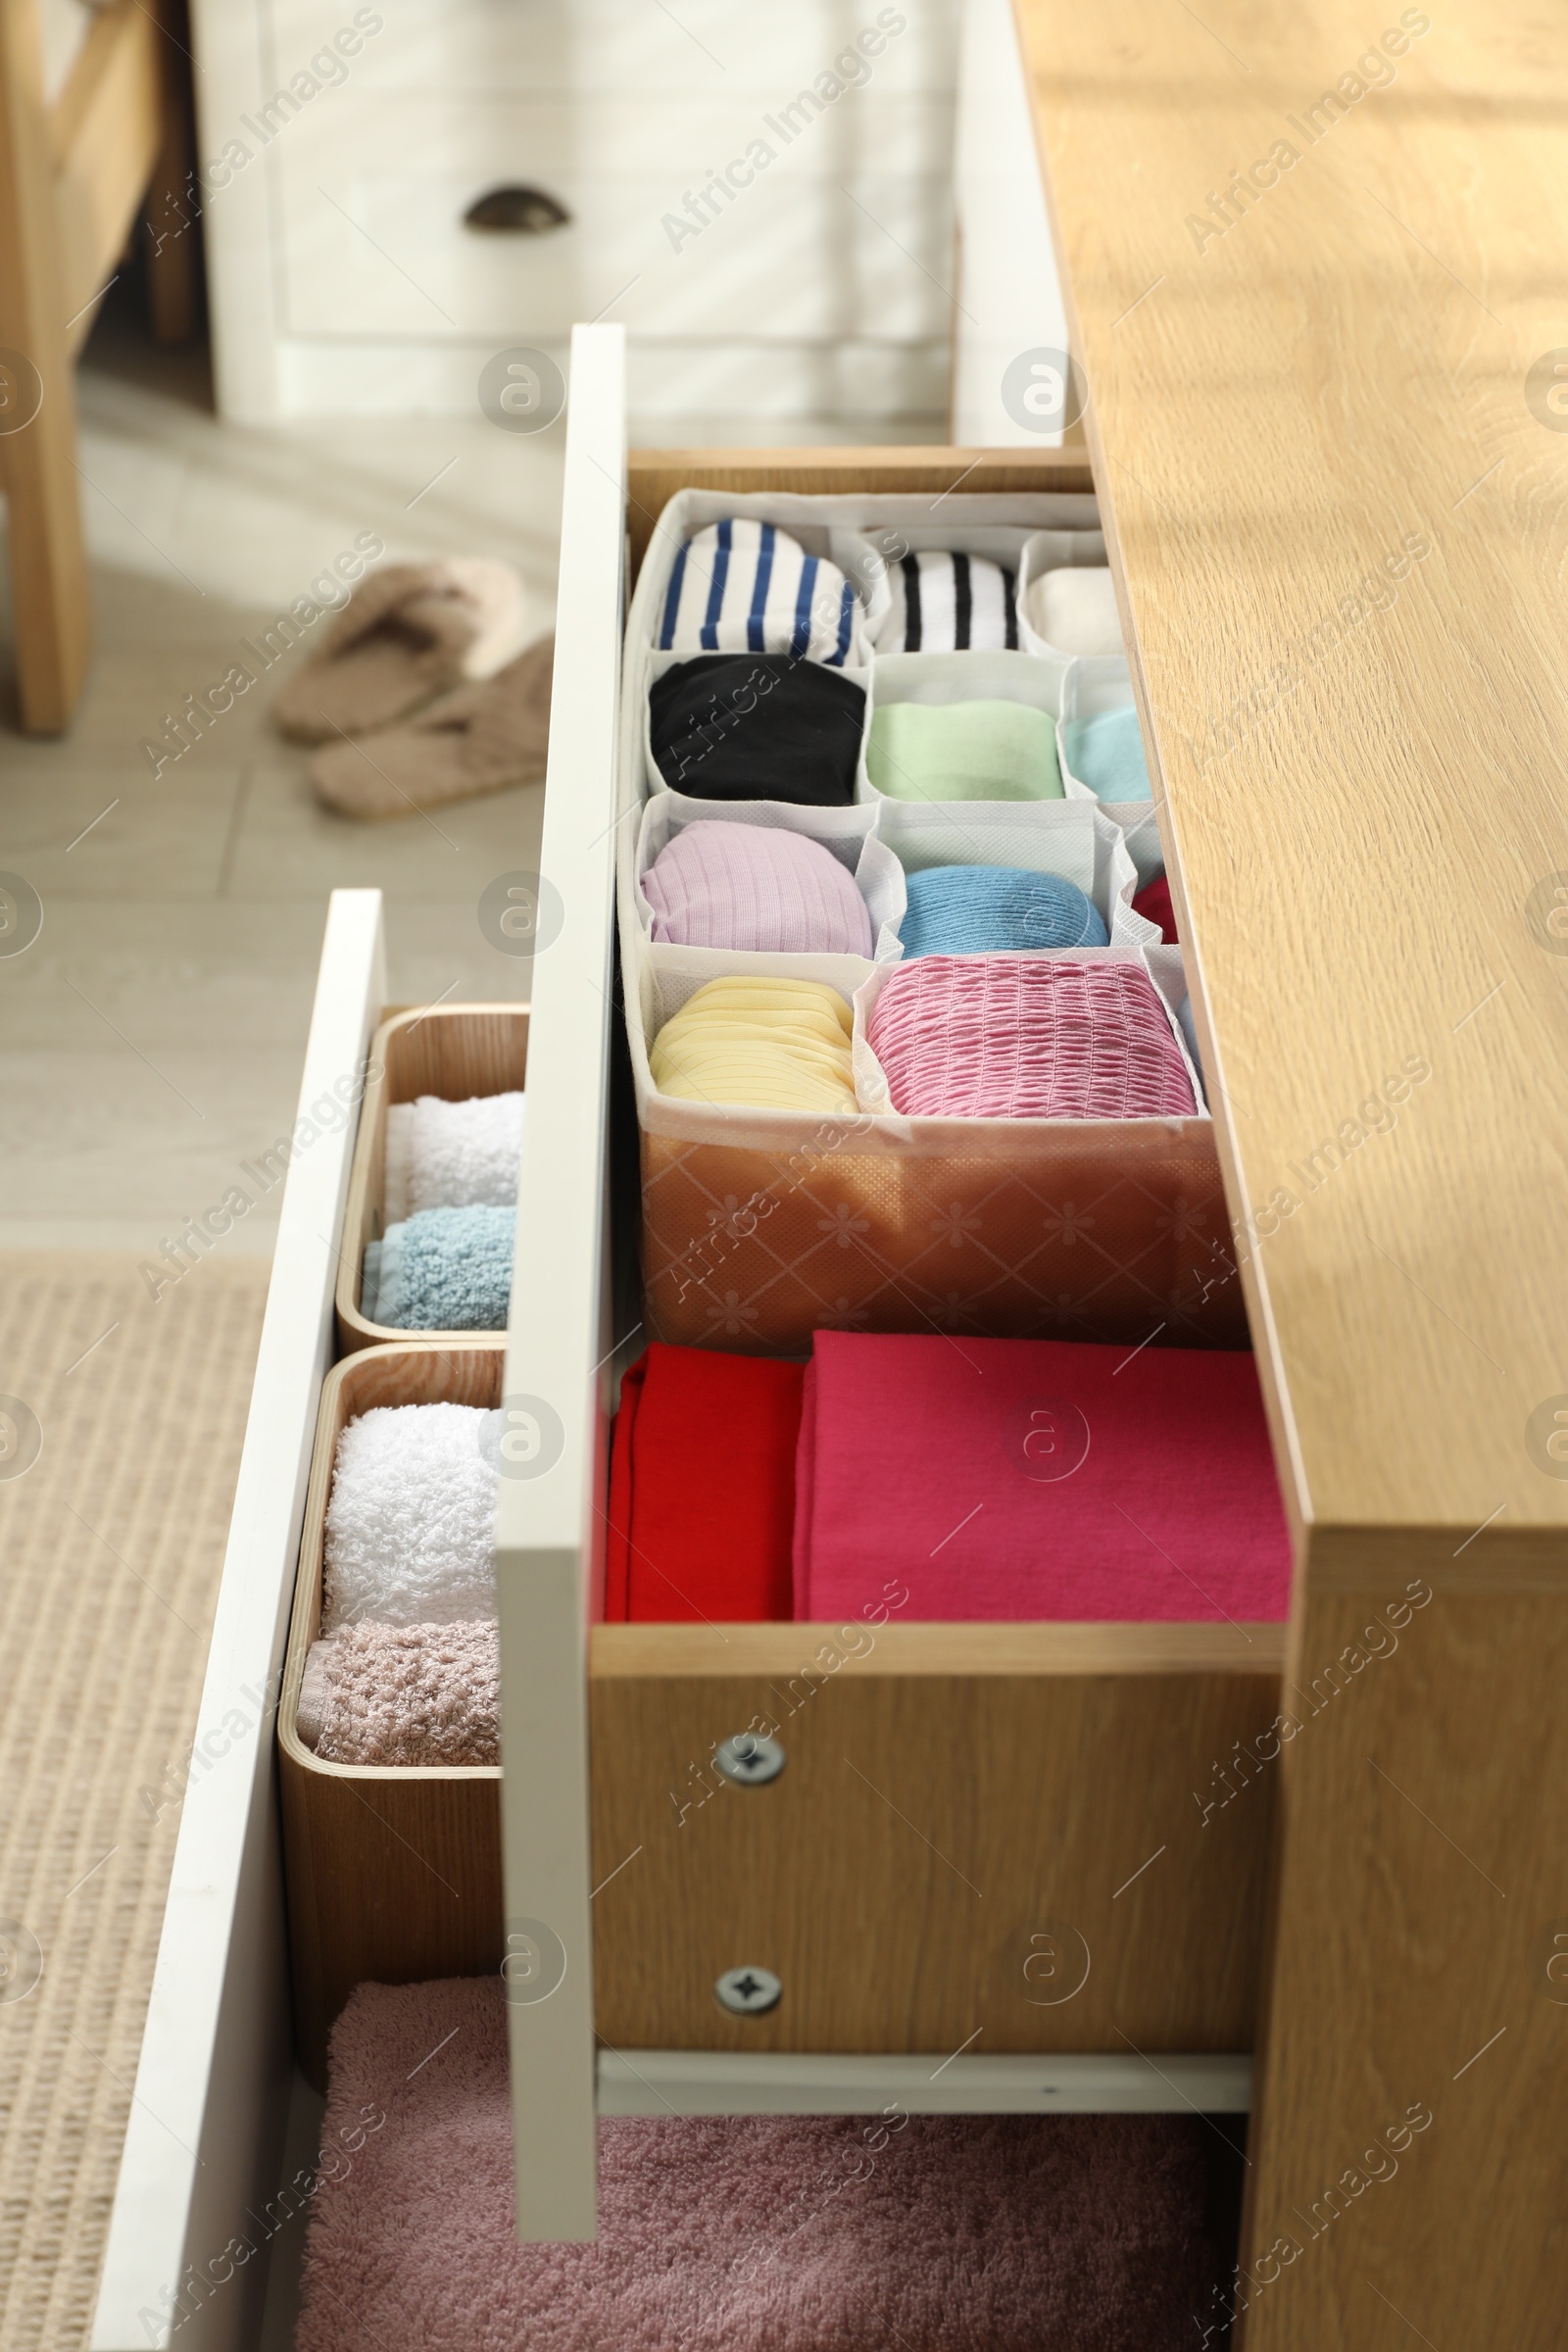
{"points": [[411, 1519], [757, 888], [1027, 1037], [403, 1694], [442, 1154], [445, 1269]]}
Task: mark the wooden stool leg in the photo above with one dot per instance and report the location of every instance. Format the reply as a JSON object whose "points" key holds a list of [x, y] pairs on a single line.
{"points": [[48, 559], [171, 233]]}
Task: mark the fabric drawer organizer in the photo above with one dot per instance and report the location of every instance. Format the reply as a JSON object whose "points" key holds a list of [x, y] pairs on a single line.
{"points": [[760, 1226]]}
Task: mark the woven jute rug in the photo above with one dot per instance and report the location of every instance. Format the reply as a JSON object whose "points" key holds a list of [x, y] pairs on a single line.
{"points": [[121, 1425]]}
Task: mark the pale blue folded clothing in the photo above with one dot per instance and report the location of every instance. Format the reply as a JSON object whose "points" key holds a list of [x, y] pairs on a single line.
{"points": [[986, 909], [1106, 753], [1189, 1027], [443, 1269]]}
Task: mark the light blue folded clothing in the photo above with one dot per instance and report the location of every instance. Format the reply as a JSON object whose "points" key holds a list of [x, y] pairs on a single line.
{"points": [[443, 1269], [1184, 1014], [985, 910], [1106, 753]]}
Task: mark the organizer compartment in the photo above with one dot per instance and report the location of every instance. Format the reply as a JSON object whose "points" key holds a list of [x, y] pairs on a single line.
{"points": [[393, 1873], [454, 1051]]}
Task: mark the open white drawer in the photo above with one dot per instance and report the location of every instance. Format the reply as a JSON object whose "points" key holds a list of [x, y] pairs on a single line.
{"points": [[209, 2147]]}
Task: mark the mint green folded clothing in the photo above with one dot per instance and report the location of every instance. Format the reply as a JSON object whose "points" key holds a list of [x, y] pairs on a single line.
{"points": [[964, 751], [1106, 753]]}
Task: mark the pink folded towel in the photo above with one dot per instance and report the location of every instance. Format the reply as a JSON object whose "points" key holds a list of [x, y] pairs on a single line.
{"points": [[759, 888], [1027, 1037], [1036, 1478], [403, 1694], [736, 2234]]}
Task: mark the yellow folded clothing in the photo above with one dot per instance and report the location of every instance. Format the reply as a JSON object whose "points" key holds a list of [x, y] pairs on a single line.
{"points": [[772, 1044]]}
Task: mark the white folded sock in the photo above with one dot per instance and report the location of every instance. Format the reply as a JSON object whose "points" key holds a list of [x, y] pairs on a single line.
{"points": [[442, 1154], [411, 1521], [1074, 609]]}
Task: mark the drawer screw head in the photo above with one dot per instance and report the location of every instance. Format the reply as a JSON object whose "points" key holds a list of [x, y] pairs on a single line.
{"points": [[750, 1759], [749, 1992]]}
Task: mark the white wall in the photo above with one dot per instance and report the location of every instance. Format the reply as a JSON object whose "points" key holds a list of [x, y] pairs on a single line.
{"points": [[1008, 288]]}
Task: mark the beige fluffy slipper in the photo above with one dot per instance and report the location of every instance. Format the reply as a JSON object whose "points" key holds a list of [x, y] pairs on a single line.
{"points": [[481, 738], [410, 633]]}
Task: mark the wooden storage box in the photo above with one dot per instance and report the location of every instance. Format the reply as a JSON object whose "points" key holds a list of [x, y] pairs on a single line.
{"points": [[394, 1872], [453, 1050]]}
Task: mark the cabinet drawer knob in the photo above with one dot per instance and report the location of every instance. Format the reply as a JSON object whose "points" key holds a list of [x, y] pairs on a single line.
{"points": [[530, 211], [748, 1760], [749, 1992]]}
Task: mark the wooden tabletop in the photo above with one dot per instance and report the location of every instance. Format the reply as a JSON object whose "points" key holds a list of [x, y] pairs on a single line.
{"points": [[1336, 494]]}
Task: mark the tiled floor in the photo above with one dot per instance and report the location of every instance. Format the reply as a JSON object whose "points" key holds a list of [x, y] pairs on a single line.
{"points": [[151, 1038]]}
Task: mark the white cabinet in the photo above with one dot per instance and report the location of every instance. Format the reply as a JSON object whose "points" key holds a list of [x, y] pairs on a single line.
{"points": [[762, 194]]}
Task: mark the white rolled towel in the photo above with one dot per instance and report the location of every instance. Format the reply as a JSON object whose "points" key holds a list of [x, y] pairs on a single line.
{"points": [[1074, 609], [442, 1154], [410, 1520]]}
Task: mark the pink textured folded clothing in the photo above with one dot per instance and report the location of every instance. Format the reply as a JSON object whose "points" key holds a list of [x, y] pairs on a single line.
{"points": [[1026, 1480], [759, 888], [427, 1694], [1027, 1037], [735, 2233]]}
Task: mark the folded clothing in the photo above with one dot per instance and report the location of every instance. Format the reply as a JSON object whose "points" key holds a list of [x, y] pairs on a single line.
{"points": [[1154, 901], [1106, 753], [759, 888], [442, 1154], [1024, 1037], [775, 1044], [949, 604], [402, 1695], [1188, 1029], [727, 2233], [1074, 609], [701, 1489], [974, 910], [984, 751], [411, 1519], [742, 587], [758, 727], [1036, 1478], [445, 1269]]}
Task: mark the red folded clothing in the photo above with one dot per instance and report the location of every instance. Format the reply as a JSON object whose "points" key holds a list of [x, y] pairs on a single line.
{"points": [[1155, 902], [1033, 1478], [701, 1489]]}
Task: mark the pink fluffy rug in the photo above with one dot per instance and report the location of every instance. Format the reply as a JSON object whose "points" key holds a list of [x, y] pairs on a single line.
{"points": [[768, 2233]]}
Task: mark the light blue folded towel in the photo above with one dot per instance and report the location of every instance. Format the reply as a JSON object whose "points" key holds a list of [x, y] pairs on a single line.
{"points": [[443, 1269], [984, 909], [1106, 753]]}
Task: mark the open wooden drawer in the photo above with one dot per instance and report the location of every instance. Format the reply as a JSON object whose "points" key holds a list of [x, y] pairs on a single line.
{"points": [[987, 1876]]}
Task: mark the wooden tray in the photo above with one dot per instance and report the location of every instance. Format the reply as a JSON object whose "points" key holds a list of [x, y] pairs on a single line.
{"points": [[455, 1050], [393, 1872]]}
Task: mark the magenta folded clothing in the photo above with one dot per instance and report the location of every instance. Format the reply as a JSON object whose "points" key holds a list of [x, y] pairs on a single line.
{"points": [[1020, 1480], [759, 888], [1027, 1037]]}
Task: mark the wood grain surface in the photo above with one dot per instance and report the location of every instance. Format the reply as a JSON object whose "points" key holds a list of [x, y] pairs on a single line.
{"points": [[1331, 467], [1015, 1861]]}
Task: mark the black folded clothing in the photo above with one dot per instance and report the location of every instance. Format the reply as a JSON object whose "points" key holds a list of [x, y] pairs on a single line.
{"points": [[758, 727]]}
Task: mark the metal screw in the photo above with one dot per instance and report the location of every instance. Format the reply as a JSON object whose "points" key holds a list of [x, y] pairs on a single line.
{"points": [[749, 1992], [750, 1759]]}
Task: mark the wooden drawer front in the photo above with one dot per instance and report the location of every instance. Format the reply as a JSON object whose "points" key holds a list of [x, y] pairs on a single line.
{"points": [[387, 252], [943, 1852]]}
